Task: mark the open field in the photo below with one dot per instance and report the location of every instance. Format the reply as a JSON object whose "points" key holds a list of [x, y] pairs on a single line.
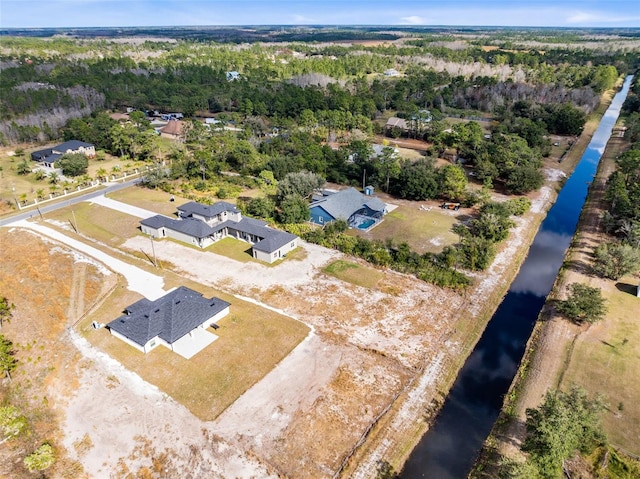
{"points": [[605, 360], [423, 230], [154, 200], [51, 288]]}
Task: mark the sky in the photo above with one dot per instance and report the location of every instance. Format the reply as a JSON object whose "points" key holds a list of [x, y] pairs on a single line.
{"points": [[121, 13]]}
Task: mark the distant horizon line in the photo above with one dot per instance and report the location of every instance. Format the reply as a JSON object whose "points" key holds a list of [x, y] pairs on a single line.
{"points": [[332, 25]]}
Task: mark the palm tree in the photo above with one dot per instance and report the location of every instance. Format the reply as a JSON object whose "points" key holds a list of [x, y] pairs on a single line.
{"points": [[85, 179], [54, 178], [101, 173], [40, 193]]}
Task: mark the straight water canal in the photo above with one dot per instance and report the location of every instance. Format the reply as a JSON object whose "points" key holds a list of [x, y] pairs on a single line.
{"points": [[450, 447]]}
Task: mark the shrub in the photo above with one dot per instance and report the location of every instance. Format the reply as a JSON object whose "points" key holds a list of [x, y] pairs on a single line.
{"points": [[584, 304]]}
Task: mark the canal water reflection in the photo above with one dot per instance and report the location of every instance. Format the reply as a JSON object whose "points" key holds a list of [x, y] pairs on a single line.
{"points": [[450, 447]]}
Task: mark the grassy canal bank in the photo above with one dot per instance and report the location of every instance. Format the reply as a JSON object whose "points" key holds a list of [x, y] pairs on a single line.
{"points": [[398, 447], [603, 359]]}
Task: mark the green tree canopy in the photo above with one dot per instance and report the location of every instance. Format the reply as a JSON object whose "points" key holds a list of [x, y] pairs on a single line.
{"points": [[453, 182], [8, 361], [417, 180], [294, 209], [584, 304], [260, 207], [73, 164], [12, 423], [562, 424], [614, 260], [6, 310], [302, 183]]}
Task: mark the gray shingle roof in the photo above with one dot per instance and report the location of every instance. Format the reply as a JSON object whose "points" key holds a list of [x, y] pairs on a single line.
{"points": [[188, 226], [71, 145], [270, 239], [171, 317], [157, 221], [274, 242], [208, 211], [343, 204]]}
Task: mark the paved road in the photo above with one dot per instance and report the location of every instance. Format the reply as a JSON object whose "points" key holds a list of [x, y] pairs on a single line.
{"points": [[68, 202]]}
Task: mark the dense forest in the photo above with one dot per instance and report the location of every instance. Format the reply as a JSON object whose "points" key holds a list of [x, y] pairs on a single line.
{"points": [[67, 77]]}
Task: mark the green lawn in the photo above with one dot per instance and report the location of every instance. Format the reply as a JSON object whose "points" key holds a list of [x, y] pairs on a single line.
{"points": [[606, 360], [104, 224], [425, 231], [354, 273], [251, 341], [153, 200], [234, 249]]}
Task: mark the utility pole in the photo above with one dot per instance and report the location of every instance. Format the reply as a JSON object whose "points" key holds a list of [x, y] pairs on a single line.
{"points": [[75, 223], [153, 250]]}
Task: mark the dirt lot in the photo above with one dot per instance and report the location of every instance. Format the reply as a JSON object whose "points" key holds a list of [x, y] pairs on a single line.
{"points": [[375, 356]]}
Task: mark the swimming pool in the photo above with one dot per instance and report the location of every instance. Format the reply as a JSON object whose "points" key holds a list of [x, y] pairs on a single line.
{"points": [[366, 224]]}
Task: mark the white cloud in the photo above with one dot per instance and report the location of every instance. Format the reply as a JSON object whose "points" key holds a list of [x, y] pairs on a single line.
{"points": [[302, 19], [598, 18], [413, 20]]}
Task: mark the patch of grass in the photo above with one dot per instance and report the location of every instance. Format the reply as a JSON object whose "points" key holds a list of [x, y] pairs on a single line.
{"points": [[425, 231], [104, 224], [251, 341], [606, 360], [153, 200], [232, 248], [354, 273], [240, 251]]}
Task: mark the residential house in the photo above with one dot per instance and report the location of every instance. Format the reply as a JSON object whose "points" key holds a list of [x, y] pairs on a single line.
{"points": [[395, 122], [173, 130], [358, 210], [177, 320], [49, 156], [202, 225]]}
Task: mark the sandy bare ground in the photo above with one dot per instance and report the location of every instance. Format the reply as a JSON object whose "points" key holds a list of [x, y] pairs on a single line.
{"points": [[366, 347], [119, 412]]}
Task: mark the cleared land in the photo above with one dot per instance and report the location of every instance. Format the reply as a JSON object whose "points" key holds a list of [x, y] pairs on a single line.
{"points": [[373, 364], [251, 341]]}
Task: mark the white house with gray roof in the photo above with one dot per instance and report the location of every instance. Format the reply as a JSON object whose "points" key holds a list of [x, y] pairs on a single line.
{"points": [[358, 210], [177, 320], [202, 225], [49, 156]]}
